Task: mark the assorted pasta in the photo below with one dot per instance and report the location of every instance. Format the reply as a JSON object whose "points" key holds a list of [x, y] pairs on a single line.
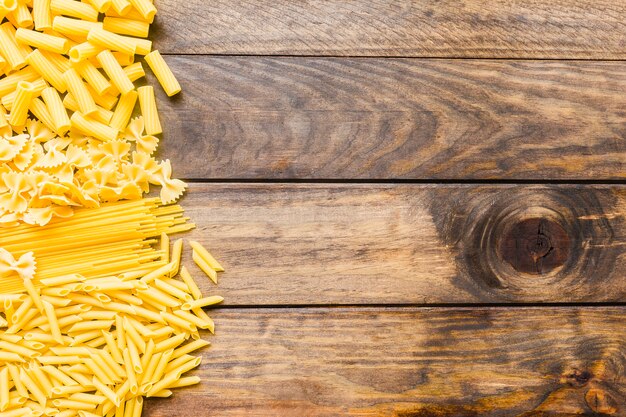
{"points": [[67, 80], [79, 346], [96, 309]]}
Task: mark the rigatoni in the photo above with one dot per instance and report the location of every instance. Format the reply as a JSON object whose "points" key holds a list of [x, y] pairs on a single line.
{"points": [[24, 94], [115, 72], [42, 41], [147, 103], [76, 87], [163, 73]]}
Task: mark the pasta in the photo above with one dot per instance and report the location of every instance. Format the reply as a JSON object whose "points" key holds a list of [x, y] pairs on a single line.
{"points": [[163, 73], [147, 102]]}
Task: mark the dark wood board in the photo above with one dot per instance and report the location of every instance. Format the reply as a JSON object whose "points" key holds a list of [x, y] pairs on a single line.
{"points": [[307, 244], [409, 363], [582, 29], [320, 118]]}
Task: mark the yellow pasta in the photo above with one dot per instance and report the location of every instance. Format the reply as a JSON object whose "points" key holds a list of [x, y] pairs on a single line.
{"points": [[147, 103], [111, 41], [163, 73], [42, 41], [75, 86], [134, 71], [101, 115], [94, 78], [121, 7], [204, 254], [124, 110], [37, 87], [57, 110], [9, 48], [21, 16], [24, 94], [115, 72], [74, 27], [74, 9], [41, 14], [83, 51], [206, 268], [7, 7], [47, 70], [101, 5], [93, 128], [126, 26]]}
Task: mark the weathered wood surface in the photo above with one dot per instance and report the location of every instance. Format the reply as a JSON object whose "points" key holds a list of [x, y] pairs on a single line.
{"points": [[303, 244], [410, 363], [251, 117], [582, 29]]}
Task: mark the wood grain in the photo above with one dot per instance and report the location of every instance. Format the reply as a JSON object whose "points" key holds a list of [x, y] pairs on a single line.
{"points": [[319, 118], [410, 363], [582, 29], [303, 244]]}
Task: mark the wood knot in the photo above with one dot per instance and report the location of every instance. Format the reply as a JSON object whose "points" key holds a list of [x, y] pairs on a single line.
{"points": [[577, 378], [535, 246], [601, 402]]}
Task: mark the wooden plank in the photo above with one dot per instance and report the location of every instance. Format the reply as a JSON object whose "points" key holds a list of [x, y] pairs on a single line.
{"points": [[410, 363], [303, 244], [582, 29], [255, 118]]}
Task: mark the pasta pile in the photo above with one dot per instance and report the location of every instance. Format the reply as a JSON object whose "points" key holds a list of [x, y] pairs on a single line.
{"points": [[109, 240], [67, 97], [96, 347]]}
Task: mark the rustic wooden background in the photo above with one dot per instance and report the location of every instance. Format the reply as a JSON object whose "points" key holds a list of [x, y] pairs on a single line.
{"points": [[420, 204]]}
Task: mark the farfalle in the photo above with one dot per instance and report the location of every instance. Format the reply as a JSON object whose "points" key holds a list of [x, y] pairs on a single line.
{"points": [[52, 158], [23, 159], [148, 163], [117, 149], [12, 146], [171, 189], [42, 216], [25, 266], [86, 194], [127, 191], [138, 175], [135, 133], [38, 131], [18, 194]]}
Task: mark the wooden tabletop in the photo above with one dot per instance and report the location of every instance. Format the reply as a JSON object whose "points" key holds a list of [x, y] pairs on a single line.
{"points": [[420, 204]]}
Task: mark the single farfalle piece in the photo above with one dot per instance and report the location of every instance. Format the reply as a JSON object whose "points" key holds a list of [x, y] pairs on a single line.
{"points": [[76, 157], [25, 266], [125, 191], [171, 189], [135, 132], [52, 158], [11, 146], [38, 131], [137, 175], [116, 149], [18, 194], [24, 159]]}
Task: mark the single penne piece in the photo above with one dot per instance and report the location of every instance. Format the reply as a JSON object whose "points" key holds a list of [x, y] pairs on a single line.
{"points": [[148, 106], [170, 343], [66, 279], [204, 266], [163, 73], [42, 41], [177, 253], [202, 302], [59, 360], [20, 388], [191, 283], [172, 291], [134, 355], [185, 382], [84, 326], [189, 347], [33, 387], [52, 320], [115, 72], [130, 372], [165, 247], [209, 259], [5, 396]]}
